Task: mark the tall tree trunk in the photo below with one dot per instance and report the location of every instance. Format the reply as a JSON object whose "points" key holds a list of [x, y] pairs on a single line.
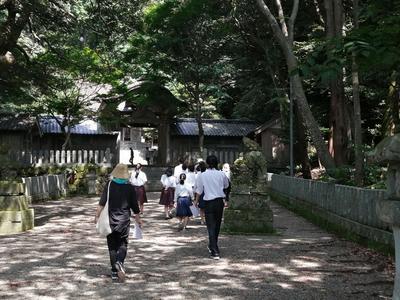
{"points": [[358, 151], [301, 146], [11, 28], [199, 119], [67, 143], [338, 140], [298, 91]]}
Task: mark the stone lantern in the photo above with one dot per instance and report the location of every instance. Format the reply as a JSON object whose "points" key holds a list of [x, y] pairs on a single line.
{"points": [[388, 210], [249, 209]]}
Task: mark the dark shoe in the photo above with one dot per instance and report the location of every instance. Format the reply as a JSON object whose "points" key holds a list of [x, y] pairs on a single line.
{"points": [[120, 271], [114, 276]]}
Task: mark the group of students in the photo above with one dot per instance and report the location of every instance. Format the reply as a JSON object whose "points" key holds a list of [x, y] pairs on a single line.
{"points": [[179, 191], [125, 193]]}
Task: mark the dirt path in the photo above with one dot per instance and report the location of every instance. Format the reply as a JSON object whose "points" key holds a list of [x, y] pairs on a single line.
{"points": [[62, 258]]}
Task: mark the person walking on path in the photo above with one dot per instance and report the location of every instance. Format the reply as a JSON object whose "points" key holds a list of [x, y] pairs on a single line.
{"points": [[213, 182], [183, 199], [168, 191], [121, 201], [201, 167], [227, 171], [181, 168], [139, 179], [191, 175]]}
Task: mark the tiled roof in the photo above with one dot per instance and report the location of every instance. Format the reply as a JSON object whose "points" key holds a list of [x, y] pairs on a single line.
{"points": [[16, 122], [214, 127], [49, 125]]}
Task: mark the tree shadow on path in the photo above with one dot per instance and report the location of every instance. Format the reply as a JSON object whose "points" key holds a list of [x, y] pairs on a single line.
{"points": [[63, 258]]}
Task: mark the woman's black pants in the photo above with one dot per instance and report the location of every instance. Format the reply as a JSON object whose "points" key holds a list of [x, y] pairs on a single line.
{"points": [[117, 247]]}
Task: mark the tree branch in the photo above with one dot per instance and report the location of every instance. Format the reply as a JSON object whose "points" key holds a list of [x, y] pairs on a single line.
{"points": [[4, 4], [22, 50], [292, 20], [281, 17], [274, 25]]}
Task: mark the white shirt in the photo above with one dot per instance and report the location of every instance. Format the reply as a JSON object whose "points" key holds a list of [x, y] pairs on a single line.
{"points": [[227, 174], [140, 180], [191, 179], [213, 183], [168, 181], [183, 190], [178, 171]]}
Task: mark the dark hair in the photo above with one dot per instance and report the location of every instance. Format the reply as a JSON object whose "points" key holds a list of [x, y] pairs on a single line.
{"points": [[191, 167], [182, 178], [184, 166], [138, 167], [169, 172], [201, 167], [212, 161], [181, 160]]}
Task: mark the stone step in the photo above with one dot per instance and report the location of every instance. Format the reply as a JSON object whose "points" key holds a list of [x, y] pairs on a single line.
{"points": [[11, 188], [13, 203], [16, 221]]}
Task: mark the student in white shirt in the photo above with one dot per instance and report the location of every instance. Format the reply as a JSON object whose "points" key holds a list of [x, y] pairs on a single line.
{"points": [[183, 199], [138, 180], [168, 191], [179, 169], [213, 182], [190, 175], [201, 167]]}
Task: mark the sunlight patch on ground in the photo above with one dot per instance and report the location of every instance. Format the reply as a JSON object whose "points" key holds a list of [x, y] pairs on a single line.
{"points": [[300, 263]]}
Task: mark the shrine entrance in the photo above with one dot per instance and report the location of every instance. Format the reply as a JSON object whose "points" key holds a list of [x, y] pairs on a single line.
{"points": [[144, 113]]}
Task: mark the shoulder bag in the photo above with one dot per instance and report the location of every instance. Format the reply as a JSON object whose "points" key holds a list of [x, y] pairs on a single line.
{"points": [[103, 223]]}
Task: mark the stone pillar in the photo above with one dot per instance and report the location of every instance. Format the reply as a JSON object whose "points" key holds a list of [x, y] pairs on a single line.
{"points": [[15, 216], [91, 182], [388, 210], [248, 212]]}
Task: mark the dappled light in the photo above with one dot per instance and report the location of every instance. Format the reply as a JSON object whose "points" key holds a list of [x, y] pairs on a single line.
{"points": [[64, 258]]}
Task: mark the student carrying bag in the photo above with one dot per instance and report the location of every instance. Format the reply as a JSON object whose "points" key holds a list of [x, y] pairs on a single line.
{"points": [[103, 223]]}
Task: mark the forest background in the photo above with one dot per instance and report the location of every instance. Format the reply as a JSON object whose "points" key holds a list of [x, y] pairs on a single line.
{"points": [[338, 60]]}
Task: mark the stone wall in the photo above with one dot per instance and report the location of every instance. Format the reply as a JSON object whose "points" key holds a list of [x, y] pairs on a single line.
{"points": [[350, 207], [45, 187]]}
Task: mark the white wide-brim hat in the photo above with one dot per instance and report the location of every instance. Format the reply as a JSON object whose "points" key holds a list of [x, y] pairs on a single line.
{"points": [[120, 171]]}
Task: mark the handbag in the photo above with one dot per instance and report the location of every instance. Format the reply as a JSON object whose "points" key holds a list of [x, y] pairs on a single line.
{"points": [[137, 232], [103, 223]]}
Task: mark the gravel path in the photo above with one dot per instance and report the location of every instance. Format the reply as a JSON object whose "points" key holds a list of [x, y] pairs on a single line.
{"points": [[62, 258]]}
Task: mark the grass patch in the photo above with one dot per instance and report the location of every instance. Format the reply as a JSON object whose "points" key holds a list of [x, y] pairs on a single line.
{"points": [[341, 231]]}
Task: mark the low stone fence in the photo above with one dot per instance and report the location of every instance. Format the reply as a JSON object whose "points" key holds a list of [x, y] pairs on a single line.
{"points": [[349, 207], [45, 187]]}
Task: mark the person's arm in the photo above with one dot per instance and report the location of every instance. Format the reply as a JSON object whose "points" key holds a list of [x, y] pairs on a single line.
{"points": [[144, 177], [199, 185], [98, 212], [135, 207], [190, 190], [177, 190], [164, 180]]}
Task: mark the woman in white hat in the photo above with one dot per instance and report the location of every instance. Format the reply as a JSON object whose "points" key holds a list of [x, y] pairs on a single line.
{"points": [[121, 201]]}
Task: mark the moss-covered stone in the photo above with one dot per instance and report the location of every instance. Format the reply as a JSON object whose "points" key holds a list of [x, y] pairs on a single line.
{"points": [[16, 221], [13, 203], [11, 188]]}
